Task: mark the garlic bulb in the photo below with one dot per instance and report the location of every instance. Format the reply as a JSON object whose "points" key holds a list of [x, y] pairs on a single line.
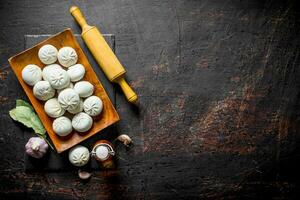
{"points": [[36, 147]]}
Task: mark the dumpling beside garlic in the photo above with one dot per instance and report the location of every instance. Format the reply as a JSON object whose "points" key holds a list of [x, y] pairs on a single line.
{"points": [[48, 54], [53, 108], [76, 72], [42, 90], [67, 56], [82, 122], [79, 156], [62, 126], [84, 88], [36, 147], [32, 74], [93, 106]]}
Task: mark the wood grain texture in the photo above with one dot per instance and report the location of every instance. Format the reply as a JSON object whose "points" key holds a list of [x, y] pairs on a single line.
{"points": [[219, 99], [30, 56]]}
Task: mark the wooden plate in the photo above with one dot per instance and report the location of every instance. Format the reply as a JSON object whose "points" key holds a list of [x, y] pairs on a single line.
{"points": [[30, 56]]}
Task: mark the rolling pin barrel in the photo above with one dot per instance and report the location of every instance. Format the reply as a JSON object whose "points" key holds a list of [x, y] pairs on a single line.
{"points": [[103, 54]]}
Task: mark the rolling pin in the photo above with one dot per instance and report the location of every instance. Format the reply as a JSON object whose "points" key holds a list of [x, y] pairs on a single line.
{"points": [[103, 54]]}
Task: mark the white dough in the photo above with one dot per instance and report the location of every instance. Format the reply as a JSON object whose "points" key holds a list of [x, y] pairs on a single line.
{"points": [[78, 109], [58, 78], [42, 90], [79, 155], [31, 74], [93, 106], [69, 86], [84, 88], [82, 122], [62, 126], [48, 54], [47, 70], [53, 108], [68, 99], [76, 72], [67, 56]]}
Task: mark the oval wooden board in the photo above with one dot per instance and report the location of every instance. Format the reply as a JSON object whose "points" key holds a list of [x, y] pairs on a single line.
{"points": [[30, 56]]}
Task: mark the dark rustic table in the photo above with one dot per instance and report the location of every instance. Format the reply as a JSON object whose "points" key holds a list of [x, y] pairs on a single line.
{"points": [[219, 89]]}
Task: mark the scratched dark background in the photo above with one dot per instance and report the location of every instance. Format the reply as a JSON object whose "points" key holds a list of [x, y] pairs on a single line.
{"points": [[218, 82]]}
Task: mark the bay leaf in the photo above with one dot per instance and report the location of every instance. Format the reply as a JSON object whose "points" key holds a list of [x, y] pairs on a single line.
{"points": [[26, 116], [20, 102]]}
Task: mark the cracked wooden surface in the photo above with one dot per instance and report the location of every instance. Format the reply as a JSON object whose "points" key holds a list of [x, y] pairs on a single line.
{"points": [[218, 116]]}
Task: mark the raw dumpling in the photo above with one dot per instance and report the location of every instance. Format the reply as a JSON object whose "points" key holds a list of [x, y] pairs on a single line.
{"points": [[77, 109], [42, 90], [58, 78], [62, 126], [53, 108], [79, 155], [93, 106], [47, 70], [48, 54], [84, 88], [31, 74], [69, 86], [67, 56], [68, 99], [76, 72], [82, 122]]}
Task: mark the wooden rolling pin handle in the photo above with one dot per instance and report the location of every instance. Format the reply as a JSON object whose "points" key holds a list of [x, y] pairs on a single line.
{"points": [[78, 16], [129, 93]]}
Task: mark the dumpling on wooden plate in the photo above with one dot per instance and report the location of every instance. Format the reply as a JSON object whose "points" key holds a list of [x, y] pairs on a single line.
{"points": [[93, 105], [48, 54], [67, 56], [32, 74], [42, 90]]}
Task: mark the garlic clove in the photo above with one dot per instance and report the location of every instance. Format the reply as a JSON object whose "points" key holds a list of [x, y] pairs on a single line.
{"points": [[125, 139], [84, 175]]}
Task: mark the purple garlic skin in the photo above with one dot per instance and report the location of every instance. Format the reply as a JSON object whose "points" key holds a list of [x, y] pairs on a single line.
{"points": [[36, 147]]}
